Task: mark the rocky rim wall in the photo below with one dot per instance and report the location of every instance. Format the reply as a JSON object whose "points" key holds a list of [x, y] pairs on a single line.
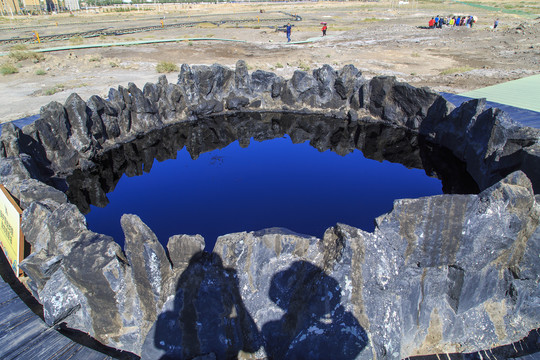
{"points": [[449, 273]]}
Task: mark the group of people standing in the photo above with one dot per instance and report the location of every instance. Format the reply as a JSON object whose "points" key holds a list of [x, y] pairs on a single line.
{"points": [[439, 21]]}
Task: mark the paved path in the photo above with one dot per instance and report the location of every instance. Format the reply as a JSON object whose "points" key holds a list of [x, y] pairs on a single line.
{"points": [[523, 93]]}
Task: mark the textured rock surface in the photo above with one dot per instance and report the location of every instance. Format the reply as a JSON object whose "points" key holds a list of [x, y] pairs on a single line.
{"points": [[422, 283], [451, 273]]}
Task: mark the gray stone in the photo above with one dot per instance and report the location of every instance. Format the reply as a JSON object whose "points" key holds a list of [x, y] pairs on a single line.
{"points": [[398, 102], [236, 102], [80, 137], [110, 309], [14, 170], [182, 248], [30, 190], [60, 299], [34, 226], [263, 81], [39, 267], [150, 268], [104, 118]]}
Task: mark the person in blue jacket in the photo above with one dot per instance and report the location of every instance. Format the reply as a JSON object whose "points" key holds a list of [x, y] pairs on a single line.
{"points": [[288, 29]]}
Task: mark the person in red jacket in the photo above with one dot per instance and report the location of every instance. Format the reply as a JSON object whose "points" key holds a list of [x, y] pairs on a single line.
{"points": [[432, 23], [324, 30]]}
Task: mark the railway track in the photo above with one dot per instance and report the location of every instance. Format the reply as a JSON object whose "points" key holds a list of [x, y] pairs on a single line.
{"points": [[125, 31]]}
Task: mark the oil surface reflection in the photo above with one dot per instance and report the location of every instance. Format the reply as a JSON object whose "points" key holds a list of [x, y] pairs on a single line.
{"points": [[305, 173]]}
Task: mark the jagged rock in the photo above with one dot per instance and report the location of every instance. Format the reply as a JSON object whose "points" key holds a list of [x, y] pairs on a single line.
{"points": [[118, 101], [236, 102], [207, 108], [189, 84], [9, 139], [150, 268], [104, 118], [263, 81], [399, 103], [331, 91], [53, 131], [32, 190], [144, 114], [242, 79], [80, 124], [489, 142], [182, 248], [406, 265], [34, 225], [108, 305], [167, 98], [14, 170], [39, 267], [351, 79]]}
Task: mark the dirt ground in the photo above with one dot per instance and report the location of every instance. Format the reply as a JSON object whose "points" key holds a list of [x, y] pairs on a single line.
{"points": [[379, 38]]}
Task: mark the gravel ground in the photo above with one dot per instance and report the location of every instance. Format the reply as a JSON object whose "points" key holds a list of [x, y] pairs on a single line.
{"points": [[378, 38]]}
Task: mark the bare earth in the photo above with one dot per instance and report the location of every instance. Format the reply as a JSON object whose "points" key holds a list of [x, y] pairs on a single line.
{"points": [[379, 38]]}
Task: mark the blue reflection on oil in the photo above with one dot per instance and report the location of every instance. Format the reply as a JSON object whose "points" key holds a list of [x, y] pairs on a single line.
{"points": [[270, 183]]}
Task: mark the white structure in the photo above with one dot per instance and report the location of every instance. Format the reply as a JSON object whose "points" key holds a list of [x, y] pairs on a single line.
{"points": [[72, 5]]}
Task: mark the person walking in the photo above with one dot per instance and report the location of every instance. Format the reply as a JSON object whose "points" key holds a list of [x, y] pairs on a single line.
{"points": [[288, 30], [324, 29], [495, 24]]}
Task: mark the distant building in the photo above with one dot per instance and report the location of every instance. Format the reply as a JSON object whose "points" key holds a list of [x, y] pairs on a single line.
{"points": [[10, 7], [32, 5], [72, 4]]}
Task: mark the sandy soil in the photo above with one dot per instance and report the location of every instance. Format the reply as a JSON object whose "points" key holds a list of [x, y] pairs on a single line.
{"points": [[379, 38]]}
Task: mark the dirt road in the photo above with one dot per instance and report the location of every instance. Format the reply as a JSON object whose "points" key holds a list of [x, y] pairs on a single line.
{"points": [[380, 38]]}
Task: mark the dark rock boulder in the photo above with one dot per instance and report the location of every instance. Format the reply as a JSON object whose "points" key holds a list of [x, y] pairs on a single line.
{"points": [[331, 89], [14, 170], [301, 88], [398, 102], [150, 268], [106, 304], [234, 102], [31, 190], [39, 267], [487, 140], [168, 99], [242, 80], [118, 102], [53, 131], [104, 118], [348, 86], [263, 81], [144, 114], [82, 127], [10, 141]]}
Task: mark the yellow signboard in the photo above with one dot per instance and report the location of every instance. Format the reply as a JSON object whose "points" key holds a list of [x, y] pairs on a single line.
{"points": [[11, 238]]}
